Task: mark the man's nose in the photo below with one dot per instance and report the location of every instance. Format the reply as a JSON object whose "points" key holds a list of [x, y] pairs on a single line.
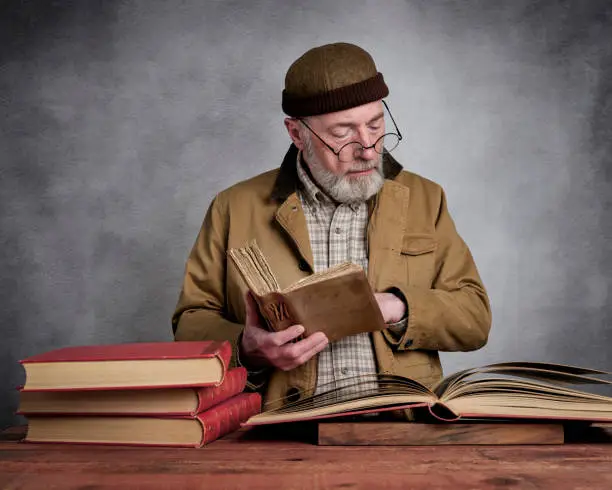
{"points": [[367, 151]]}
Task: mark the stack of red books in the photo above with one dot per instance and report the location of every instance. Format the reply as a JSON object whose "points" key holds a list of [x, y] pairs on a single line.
{"points": [[153, 394]]}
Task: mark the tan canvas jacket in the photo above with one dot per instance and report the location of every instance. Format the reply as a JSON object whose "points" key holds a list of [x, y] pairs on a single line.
{"points": [[412, 245]]}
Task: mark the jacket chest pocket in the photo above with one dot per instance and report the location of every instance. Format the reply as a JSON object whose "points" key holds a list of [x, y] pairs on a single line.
{"points": [[418, 259]]}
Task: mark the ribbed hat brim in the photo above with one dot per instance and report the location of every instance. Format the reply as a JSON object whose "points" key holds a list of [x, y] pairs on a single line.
{"points": [[340, 99]]}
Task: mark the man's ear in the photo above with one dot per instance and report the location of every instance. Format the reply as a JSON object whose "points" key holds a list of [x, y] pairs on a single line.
{"points": [[293, 128]]}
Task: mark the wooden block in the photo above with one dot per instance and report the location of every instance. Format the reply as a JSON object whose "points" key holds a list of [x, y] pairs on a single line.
{"points": [[418, 434]]}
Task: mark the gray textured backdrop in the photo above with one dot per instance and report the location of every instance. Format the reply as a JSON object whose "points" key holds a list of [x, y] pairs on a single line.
{"points": [[120, 120]]}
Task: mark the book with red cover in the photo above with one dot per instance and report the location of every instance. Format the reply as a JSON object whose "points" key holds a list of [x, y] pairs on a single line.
{"points": [[142, 402], [128, 366], [184, 431]]}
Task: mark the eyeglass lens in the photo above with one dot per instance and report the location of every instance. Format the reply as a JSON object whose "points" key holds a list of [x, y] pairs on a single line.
{"points": [[387, 142]]}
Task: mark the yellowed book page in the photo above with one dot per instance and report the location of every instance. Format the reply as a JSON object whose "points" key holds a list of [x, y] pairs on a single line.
{"points": [[247, 271], [264, 266], [524, 406], [131, 430], [502, 387], [344, 269], [254, 268], [134, 373], [349, 406]]}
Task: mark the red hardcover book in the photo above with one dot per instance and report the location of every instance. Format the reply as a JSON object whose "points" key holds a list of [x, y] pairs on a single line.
{"points": [[195, 431], [128, 366], [143, 402]]}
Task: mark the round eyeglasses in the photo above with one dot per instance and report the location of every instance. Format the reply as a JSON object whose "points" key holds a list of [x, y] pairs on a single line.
{"points": [[387, 142]]}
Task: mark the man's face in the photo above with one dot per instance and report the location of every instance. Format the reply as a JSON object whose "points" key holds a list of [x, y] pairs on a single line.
{"points": [[359, 178]]}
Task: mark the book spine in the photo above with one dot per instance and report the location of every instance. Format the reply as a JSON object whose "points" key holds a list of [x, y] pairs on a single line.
{"points": [[234, 383], [442, 413], [224, 354], [276, 311], [228, 416]]}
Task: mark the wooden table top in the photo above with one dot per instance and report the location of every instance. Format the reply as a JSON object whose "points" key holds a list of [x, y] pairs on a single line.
{"points": [[254, 459]]}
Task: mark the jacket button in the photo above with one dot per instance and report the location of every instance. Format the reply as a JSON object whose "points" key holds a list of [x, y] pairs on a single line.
{"points": [[293, 394], [303, 265]]}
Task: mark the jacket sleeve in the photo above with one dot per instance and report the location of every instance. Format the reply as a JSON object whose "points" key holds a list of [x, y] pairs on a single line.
{"points": [[201, 312], [454, 314]]}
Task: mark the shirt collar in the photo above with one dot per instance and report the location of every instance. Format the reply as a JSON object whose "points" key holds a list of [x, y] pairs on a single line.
{"points": [[310, 189]]}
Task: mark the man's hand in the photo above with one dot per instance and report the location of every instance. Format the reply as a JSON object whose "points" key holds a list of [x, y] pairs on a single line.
{"points": [[392, 308], [260, 347]]}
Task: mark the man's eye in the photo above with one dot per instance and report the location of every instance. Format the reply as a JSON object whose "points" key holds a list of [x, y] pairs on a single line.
{"points": [[340, 135]]}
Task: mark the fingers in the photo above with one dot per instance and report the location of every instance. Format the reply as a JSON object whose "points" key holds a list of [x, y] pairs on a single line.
{"points": [[293, 355], [279, 339], [276, 348], [311, 352]]}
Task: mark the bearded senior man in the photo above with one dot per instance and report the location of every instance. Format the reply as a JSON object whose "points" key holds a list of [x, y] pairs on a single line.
{"points": [[338, 196]]}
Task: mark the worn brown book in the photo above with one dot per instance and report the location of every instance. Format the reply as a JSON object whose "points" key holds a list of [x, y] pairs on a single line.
{"points": [[337, 301], [504, 391]]}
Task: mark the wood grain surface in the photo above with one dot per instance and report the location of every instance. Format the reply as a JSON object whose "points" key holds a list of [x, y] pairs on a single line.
{"points": [[260, 459], [402, 434]]}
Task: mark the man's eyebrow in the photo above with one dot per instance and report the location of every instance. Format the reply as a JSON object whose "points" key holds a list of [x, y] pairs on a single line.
{"points": [[350, 124]]}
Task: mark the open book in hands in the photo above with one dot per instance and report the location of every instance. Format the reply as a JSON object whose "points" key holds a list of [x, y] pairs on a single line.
{"points": [[511, 390], [338, 301]]}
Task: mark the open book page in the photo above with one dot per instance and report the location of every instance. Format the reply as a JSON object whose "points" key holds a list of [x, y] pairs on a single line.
{"points": [[501, 397], [557, 373], [258, 275], [526, 390], [335, 271], [490, 392], [254, 268], [355, 395]]}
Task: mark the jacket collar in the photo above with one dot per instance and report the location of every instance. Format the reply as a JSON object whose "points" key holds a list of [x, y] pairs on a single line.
{"points": [[287, 180]]}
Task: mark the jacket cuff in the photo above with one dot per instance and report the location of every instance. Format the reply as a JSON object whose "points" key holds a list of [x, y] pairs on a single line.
{"points": [[397, 328], [256, 378], [395, 331]]}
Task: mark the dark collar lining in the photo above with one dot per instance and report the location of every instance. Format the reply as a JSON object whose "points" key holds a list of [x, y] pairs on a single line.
{"points": [[287, 180]]}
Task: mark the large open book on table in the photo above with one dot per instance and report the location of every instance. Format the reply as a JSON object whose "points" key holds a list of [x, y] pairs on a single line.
{"points": [[511, 390], [337, 301]]}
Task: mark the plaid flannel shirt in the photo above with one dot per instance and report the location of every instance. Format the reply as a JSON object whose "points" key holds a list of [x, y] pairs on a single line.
{"points": [[338, 233]]}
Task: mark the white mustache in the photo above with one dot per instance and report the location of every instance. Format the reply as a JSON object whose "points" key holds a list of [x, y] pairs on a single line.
{"points": [[362, 167]]}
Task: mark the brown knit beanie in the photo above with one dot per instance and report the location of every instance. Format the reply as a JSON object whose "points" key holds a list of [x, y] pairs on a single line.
{"points": [[331, 78]]}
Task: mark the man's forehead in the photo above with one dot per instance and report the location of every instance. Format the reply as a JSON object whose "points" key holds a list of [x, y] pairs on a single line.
{"points": [[349, 117]]}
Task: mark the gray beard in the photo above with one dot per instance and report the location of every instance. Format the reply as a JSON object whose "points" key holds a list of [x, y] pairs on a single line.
{"points": [[342, 188]]}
